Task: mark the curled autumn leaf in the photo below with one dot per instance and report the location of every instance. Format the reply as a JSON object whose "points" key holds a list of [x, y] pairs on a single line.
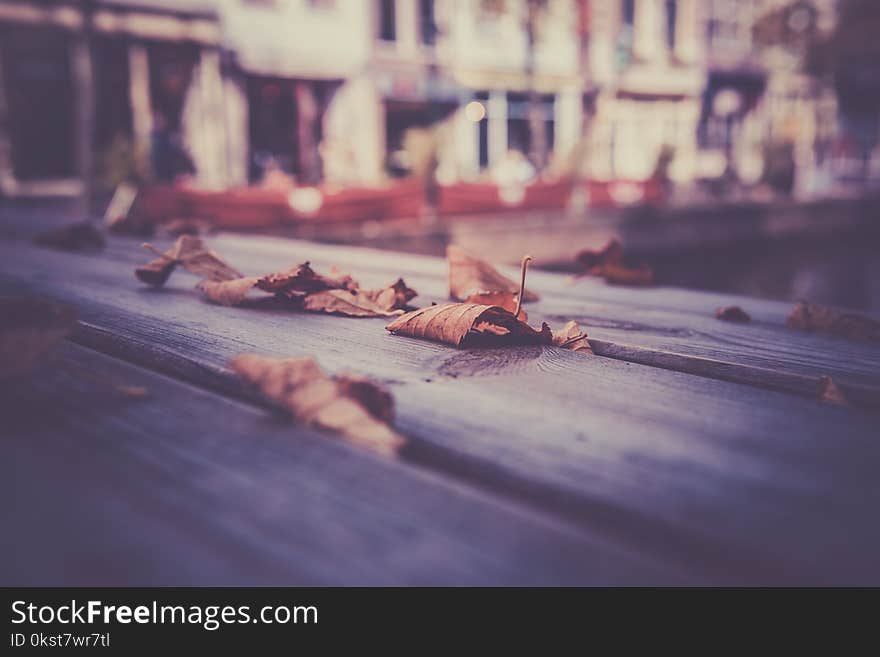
{"points": [[733, 314], [813, 317], [479, 325], [301, 288], [189, 253], [608, 262], [469, 276], [468, 324], [356, 408], [507, 300], [80, 236], [29, 329]]}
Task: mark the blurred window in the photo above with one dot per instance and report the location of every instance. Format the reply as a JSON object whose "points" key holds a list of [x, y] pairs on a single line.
{"points": [[671, 16], [626, 33], [387, 18], [628, 12], [427, 22]]}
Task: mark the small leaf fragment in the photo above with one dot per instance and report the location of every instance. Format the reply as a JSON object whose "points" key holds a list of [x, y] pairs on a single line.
{"points": [[831, 394], [572, 337], [356, 408]]}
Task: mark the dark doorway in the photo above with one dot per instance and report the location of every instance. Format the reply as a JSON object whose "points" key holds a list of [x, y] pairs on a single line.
{"points": [[40, 97]]}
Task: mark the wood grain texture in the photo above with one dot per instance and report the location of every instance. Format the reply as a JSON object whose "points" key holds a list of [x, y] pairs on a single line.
{"points": [[733, 482], [183, 487]]}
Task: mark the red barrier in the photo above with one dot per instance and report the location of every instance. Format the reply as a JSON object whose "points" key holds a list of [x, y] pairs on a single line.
{"points": [[255, 207], [617, 193], [466, 198], [401, 199]]}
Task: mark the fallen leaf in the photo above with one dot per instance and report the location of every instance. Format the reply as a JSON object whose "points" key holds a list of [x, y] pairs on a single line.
{"points": [[29, 329], [304, 289], [356, 408], [506, 300], [468, 324], [81, 236], [571, 336], [470, 276], [608, 262], [733, 314], [394, 297], [831, 394], [351, 303], [813, 317], [592, 260], [302, 280], [228, 293], [188, 252]]}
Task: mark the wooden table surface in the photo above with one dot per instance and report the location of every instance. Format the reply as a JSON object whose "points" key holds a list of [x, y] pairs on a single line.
{"points": [[687, 451]]}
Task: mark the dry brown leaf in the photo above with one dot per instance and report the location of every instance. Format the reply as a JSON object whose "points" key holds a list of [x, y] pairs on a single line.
{"points": [[831, 394], [608, 262], [468, 324], [189, 253], [394, 297], [592, 260], [29, 329], [571, 336], [813, 317], [733, 314], [228, 293], [80, 236], [356, 408], [469, 276], [506, 300], [351, 303], [302, 280], [303, 289]]}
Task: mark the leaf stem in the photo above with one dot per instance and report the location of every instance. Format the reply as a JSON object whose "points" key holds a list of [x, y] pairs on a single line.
{"points": [[522, 283]]}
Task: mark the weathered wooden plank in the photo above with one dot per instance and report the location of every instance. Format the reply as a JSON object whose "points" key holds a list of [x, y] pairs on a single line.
{"points": [[661, 327], [730, 479], [186, 487]]}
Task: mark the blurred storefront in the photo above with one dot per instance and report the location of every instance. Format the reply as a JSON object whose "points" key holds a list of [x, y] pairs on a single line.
{"points": [[645, 59], [93, 85]]}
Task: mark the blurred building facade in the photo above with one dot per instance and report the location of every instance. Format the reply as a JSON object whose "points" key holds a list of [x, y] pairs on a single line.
{"points": [[353, 92]]}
